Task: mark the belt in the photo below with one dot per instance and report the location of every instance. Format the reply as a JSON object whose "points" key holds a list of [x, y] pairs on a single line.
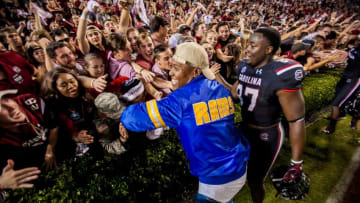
{"points": [[261, 127]]}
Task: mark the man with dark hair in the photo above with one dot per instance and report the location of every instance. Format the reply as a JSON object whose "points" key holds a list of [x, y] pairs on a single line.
{"points": [[63, 56], [224, 37], [60, 35], [265, 88], [160, 28], [162, 67], [14, 41]]}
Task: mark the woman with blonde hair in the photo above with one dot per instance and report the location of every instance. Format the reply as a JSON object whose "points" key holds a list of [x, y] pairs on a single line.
{"points": [[210, 37]]}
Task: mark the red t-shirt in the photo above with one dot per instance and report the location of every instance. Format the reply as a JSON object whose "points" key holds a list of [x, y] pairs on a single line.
{"points": [[289, 55], [18, 73], [144, 63], [33, 107]]}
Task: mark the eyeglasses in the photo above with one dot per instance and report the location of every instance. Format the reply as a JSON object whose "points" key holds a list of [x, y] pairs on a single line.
{"points": [[65, 40]]}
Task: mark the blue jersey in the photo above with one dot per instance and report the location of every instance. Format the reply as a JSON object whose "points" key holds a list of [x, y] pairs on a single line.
{"points": [[202, 112]]}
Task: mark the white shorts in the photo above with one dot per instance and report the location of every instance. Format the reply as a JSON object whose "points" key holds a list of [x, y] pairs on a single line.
{"points": [[224, 192]]}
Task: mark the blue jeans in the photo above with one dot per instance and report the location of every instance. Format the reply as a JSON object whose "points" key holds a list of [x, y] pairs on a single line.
{"points": [[205, 199]]}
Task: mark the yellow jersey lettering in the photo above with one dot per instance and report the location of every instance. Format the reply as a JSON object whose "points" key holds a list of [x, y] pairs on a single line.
{"points": [[231, 104], [223, 107], [201, 113], [214, 112]]}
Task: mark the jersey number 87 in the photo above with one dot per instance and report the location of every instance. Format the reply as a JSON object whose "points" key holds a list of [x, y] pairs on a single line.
{"points": [[249, 92]]}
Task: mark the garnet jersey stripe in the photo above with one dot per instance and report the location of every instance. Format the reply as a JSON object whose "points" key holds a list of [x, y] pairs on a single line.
{"points": [[282, 70]]}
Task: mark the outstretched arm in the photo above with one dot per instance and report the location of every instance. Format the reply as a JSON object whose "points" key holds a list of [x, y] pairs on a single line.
{"points": [[13, 179]]}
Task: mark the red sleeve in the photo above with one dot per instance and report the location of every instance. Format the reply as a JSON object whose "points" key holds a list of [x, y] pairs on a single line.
{"points": [[218, 46]]}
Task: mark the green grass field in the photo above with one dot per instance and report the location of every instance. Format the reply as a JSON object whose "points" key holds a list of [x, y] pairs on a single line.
{"points": [[326, 157]]}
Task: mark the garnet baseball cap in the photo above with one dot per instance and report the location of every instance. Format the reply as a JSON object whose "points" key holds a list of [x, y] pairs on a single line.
{"points": [[5, 92], [194, 55]]}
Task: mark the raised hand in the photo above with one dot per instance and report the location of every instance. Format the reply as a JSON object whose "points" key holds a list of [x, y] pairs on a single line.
{"points": [[100, 83]]}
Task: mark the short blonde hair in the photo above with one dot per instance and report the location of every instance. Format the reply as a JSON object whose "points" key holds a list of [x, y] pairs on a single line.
{"points": [[89, 57], [206, 35]]}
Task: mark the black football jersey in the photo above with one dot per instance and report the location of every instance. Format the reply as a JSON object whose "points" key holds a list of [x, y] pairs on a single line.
{"points": [[257, 89], [352, 69]]}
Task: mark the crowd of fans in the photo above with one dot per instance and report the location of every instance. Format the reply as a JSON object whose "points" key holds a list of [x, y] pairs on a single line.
{"points": [[68, 68]]}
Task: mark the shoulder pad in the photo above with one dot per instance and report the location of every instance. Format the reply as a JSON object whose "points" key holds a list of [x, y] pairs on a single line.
{"points": [[292, 70], [354, 53]]}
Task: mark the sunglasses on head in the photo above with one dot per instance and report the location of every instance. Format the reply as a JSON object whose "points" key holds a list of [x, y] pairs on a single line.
{"points": [[65, 40]]}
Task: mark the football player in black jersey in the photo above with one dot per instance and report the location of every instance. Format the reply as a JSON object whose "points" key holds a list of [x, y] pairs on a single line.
{"points": [[265, 88], [346, 87]]}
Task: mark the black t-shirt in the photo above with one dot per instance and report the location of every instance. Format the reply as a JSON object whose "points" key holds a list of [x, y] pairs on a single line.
{"points": [[257, 89]]}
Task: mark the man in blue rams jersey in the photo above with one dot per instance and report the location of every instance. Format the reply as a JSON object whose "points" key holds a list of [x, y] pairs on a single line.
{"points": [[202, 112]]}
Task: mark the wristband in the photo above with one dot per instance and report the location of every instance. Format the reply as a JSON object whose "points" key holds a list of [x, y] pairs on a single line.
{"points": [[92, 83], [83, 16], [172, 15]]}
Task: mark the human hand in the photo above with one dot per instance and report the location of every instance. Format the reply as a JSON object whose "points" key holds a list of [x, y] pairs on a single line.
{"points": [[22, 23], [324, 15], [172, 9], [333, 56], [130, 2], [198, 8], [93, 6], [227, 58], [84, 138], [100, 83], [49, 161], [294, 171], [333, 15], [13, 179], [85, 10], [158, 95], [123, 133], [147, 75], [215, 68], [44, 42]]}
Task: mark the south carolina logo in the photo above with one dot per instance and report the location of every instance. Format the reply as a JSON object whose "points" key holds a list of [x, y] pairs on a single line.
{"points": [[299, 75], [243, 70], [264, 136]]}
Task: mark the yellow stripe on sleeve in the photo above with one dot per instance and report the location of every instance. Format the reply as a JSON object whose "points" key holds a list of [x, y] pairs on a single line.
{"points": [[157, 113], [150, 113]]}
